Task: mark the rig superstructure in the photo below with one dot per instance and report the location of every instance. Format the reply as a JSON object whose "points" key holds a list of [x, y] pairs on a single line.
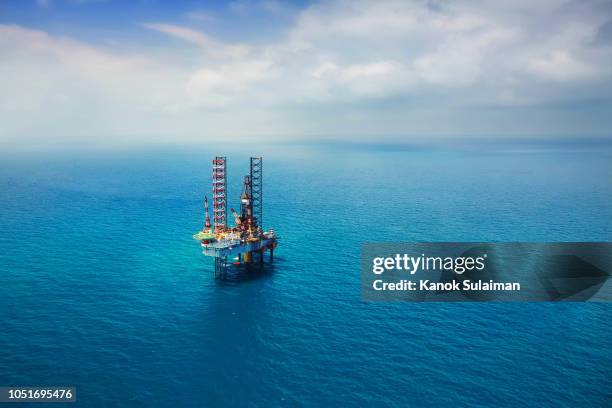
{"points": [[245, 242]]}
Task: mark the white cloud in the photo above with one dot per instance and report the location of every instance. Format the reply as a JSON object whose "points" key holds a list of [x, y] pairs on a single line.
{"points": [[221, 86], [324, 68], [233, 76], [338, 59], [215, 48], [464, 53], [365, 71], [183, 33], [560, 66]]}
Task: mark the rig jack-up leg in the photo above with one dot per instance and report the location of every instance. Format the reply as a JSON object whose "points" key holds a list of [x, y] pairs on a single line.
{"points": [[271, 254], [220, 266]]}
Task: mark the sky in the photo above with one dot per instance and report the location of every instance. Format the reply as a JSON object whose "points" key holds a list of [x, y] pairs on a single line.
{"points": [[108, 73]]}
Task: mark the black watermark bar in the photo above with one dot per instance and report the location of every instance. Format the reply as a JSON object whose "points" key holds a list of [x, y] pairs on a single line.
{"points": [[478, 272], [37, 394]]}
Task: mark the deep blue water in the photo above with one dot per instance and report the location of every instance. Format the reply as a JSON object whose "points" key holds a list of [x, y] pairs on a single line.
{"points": [[103, 287]]}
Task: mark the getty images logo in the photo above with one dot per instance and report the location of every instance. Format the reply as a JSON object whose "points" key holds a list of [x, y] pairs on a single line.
{"points": [[412, 264]]}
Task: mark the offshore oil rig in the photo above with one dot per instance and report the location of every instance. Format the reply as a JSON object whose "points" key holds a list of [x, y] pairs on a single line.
{"points": [[246, 242]]}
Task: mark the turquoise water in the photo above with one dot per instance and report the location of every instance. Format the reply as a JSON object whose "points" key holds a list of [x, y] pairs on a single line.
{"points": [[102, 286]]}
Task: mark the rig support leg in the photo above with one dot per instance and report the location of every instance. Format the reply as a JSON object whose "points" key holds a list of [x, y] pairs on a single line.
{"points": [[220, 266], [271, 254]]}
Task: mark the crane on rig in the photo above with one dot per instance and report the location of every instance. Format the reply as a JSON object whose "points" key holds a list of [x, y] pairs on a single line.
{"points": [[237, 219], [247, 237]]}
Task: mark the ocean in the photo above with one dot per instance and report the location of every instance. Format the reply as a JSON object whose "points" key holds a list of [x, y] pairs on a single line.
{"points": [[103, 287]]}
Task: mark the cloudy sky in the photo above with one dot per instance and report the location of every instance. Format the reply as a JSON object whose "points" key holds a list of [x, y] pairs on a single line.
{"points": [[87, 72]]}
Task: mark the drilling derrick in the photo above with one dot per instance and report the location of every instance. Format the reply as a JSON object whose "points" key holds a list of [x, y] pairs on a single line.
{"points": [[207, 226], [246, 205], [246, 240], [205, 236], [219, 182], [257, 190]]}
